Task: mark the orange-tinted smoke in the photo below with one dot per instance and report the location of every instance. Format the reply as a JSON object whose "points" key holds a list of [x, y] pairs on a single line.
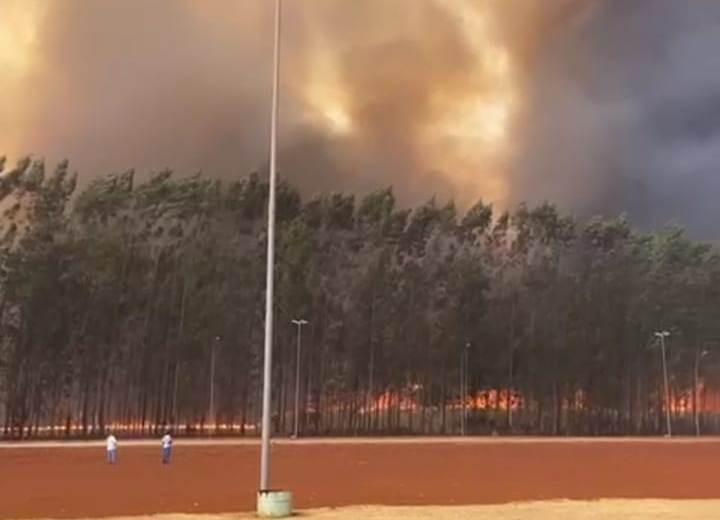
{"points": [[419, 94]]}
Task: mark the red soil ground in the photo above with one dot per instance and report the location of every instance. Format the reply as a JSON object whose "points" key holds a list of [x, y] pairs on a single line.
{"points": [[67, 483]]}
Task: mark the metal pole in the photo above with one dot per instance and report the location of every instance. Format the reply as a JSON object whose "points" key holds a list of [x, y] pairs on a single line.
{"points": [[466, 389], [299, 324], [696, 376], [175, 390], [667, 388], [462, 393], [297, 382], [696, 379], [267, 368], [212, 384]]}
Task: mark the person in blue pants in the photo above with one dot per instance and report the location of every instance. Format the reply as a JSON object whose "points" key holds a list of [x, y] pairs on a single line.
{"points": [[112, 445], [166, 448]]}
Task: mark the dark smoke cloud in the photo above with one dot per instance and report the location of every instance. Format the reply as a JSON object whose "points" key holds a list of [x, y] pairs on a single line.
{"points": [[624, 114], [618, 101]]}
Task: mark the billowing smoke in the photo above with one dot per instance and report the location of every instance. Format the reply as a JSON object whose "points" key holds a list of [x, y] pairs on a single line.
{"points": [[600, 105], [623, 114], [374, 93]]}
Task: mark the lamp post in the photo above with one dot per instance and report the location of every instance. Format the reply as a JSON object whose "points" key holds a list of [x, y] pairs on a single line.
{"points": [[299, 323], [696, 378], [464, 386], [267, 365], [662, 335], [211, 413], [271, 503]]}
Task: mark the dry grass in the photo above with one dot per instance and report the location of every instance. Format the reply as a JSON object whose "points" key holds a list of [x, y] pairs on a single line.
{"points": [[553, 510]]}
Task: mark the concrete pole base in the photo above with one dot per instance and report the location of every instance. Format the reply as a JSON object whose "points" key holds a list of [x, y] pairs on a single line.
{"points": [[274, 503]]}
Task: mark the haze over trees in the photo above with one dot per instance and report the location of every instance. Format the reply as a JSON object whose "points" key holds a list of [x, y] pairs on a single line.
{"points": [[117, 304]]}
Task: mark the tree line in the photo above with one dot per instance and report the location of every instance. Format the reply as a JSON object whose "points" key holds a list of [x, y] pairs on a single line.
{"points": [[135, 305]]}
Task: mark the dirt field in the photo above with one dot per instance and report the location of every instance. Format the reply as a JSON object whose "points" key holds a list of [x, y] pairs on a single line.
{"points": [[553, 510], [75, 483]]}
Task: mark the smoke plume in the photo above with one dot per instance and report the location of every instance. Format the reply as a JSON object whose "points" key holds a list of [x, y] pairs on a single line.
{"points": [[601, 106], [622, 114]]}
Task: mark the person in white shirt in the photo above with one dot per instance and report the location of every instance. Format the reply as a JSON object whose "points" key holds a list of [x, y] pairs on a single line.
{"points": [[112, 445], [166, 448]]}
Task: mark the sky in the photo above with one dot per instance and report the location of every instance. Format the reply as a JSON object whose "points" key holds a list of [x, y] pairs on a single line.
{"points": [[602, 106]]}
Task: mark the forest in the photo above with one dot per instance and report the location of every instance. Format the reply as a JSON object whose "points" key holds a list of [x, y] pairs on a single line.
{"points": [[135, 303]]}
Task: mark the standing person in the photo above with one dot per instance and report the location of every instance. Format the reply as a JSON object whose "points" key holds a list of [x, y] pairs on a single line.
{"points": [[166, 448], [112, 445]]}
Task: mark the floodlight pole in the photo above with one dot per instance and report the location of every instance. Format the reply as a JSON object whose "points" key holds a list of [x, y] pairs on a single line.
{"points": [[267, 368], [211, 413], [464, 387], [467, 386], [662, 335], [461, 392], [699, 354], [299, 324]]}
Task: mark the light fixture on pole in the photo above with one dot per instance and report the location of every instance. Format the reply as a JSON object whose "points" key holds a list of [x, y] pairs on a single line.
{"points": [[662, 335], [299, 323], [699, 354], [464, 387], [211, 412], [271, 503]]}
